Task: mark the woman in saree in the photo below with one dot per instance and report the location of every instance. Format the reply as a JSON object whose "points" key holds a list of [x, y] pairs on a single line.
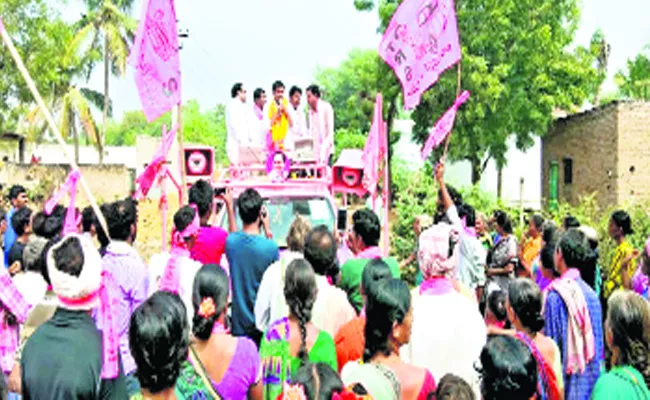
{"points": [[389, 317], [218, 361], [627, 333], [524, 308], [294, 341]]}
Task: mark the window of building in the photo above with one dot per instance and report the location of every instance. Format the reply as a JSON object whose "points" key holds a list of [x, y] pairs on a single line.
{"points": [[568, 171]]}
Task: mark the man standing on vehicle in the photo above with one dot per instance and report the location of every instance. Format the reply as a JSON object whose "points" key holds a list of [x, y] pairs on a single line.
{"points": [[249, 254], [299, 128], [321, 125], [237, 123], [279, 117], [260, 123]]}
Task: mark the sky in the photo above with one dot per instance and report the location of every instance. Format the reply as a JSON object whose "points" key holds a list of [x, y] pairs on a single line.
{"points": [[259, 41]]}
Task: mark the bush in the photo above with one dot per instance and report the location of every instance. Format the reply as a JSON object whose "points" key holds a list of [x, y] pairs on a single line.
{"points": [[348, 139]]}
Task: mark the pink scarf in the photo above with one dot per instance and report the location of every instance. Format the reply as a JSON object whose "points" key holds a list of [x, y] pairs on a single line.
{"points": [[581, 347], [437, 285], [170, 281], [433, 253], [70, 187], [258, 112], [370, 253], [469, 231]]}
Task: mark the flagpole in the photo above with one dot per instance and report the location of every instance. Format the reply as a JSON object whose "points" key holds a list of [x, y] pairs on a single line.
{"points": [[386, 190], [177, 121], [458, 88], [50, 121]]}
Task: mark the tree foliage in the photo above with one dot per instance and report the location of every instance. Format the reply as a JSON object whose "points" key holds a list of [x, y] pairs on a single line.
{"points": [[635, 82], [207, 128], [518, 69], [39, 35]]}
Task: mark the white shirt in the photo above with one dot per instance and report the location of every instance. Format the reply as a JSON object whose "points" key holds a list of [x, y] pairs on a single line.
{"points": [[188, 270], [270, 304], [298, 129], [321, 129], [332, 309], [447, 337], [31, 286], [237, 123], [258, 128]]}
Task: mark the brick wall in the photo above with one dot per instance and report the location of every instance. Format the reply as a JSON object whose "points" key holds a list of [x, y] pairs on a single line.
{"points": [[590, 140], [633, 152]]}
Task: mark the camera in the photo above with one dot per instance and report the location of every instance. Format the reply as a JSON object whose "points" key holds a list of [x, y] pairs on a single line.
{"points": [[219, 191]]}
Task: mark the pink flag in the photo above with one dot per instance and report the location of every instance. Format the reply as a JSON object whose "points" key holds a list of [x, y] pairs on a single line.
{"points": [[146, 179], [420, 43], [70, 187], [155, 58], [374, 149], [444, 125]]}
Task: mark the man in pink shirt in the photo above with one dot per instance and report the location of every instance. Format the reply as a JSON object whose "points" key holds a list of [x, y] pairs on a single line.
{"points": [[211, 243], [321, 125]]}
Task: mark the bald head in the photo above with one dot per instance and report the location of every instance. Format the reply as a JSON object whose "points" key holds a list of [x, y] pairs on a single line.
{"points": [[320, 250]]}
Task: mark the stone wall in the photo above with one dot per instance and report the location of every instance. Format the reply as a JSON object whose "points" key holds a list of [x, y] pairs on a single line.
{"points": [[106, 182], [591, 141], [633, 152]]}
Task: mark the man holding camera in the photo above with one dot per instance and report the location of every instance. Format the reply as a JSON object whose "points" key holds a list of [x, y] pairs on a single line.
{"points": [[249, 254]]}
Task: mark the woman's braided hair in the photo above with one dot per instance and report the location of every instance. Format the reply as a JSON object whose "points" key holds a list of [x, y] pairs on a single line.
{"points": [[628, 319], [300, 294]]}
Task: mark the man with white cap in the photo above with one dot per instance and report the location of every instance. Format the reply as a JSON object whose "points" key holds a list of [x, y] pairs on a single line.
{"points": [[67, 357]]}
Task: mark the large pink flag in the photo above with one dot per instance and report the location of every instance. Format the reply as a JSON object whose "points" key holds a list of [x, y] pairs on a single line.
{"points": [[155, 58], [444, 125], [374, 149], [146, 179], [420, 43], [69, 187]]}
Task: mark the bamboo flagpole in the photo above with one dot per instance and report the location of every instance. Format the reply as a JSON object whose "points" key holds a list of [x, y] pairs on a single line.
{"points": [[50, 121]]}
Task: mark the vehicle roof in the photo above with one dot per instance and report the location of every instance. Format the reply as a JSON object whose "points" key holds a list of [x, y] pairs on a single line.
{"points": [[254, 177]]}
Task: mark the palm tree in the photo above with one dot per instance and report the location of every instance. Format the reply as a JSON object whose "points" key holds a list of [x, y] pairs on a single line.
{"points": [[106, 25], [601, 49], [72, 109]]}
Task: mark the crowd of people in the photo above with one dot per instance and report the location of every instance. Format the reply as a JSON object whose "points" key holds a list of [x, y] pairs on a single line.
{"points": [[226, 315]]}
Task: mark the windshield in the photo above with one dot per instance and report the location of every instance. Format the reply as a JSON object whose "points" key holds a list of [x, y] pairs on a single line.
{"points": [[282, 212]]}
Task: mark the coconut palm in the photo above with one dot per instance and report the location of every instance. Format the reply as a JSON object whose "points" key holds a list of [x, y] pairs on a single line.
{"points": [[72, 110], [106, 25]]}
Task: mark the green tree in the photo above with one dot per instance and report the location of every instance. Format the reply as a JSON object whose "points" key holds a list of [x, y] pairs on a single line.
{"points": [[39, 35], [109, 27], [518, 69], [206, 128], [635, 82]]}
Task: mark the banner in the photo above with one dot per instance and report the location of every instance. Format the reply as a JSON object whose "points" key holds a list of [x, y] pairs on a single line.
{"points": [[443, 127], [146, 179], [155, 58], [69, 187], [420, 43], [374, 149]]}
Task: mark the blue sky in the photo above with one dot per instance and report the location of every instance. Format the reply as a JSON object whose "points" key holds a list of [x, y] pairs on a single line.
{"points": [[259, 41]]}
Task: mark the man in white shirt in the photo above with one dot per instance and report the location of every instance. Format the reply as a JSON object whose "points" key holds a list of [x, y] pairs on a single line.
{"points": [[321, 125], [298, 129], [260, 125], [237, 123]]}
